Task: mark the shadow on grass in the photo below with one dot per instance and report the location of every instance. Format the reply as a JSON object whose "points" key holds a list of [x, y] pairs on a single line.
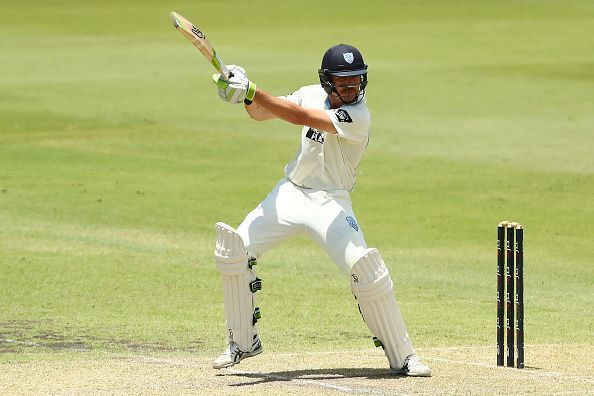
{"points": [[310, 375]]}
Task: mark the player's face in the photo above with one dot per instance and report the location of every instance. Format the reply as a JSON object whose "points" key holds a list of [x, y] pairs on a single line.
{"points": [[347, 87]]}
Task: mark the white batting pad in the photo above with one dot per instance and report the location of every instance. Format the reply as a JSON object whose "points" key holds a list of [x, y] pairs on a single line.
{"points": [[239, 285], [372, 285]]}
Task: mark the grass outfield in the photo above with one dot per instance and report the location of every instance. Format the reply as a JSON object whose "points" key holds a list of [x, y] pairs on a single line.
{"points": [[117, 158]]}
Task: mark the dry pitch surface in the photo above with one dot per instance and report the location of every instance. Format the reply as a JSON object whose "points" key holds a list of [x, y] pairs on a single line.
{"points": [[551, 369]]}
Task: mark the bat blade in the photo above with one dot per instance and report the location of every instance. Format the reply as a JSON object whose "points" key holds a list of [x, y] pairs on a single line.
{"points": [[198, 38]]}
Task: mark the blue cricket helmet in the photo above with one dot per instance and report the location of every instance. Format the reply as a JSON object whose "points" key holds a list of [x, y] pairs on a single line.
{"points": [[343, 60]]}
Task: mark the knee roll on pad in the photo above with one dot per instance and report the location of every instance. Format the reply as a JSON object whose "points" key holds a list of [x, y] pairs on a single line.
{"points": [[372, 286], [239, 285]]}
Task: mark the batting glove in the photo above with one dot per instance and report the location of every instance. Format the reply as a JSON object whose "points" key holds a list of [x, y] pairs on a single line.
{"points": [[236, 70], [222, 84], [236, 90]]}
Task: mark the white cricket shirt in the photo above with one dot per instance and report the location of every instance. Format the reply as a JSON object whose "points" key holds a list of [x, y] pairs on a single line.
{"points": [[327, 161]]}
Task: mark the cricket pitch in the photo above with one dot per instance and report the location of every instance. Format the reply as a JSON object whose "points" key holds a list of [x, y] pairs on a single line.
{"points": [[551, 369]]}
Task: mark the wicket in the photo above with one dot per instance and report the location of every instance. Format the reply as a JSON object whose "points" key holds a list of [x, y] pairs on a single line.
{"points": [[505, 234]]}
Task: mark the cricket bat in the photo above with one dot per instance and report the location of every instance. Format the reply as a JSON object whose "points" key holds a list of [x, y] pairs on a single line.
{"points": [[198, 38]]}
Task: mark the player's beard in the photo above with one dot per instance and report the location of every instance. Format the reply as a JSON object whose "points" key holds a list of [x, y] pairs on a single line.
{"points": [[347, 95]]}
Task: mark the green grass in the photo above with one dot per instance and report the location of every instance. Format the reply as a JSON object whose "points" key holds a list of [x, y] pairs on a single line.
{"points": [[117, 158]]}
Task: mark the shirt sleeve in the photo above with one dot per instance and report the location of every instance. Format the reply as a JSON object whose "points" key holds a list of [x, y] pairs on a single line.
{"points": [[352, 123]]}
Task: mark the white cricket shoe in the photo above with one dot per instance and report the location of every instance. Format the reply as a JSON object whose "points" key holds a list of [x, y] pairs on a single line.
{"points": [[412, 367], [234, 355]]}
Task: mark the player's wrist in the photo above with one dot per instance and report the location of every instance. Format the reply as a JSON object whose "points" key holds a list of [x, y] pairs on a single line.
{"points": [[250, 94]]}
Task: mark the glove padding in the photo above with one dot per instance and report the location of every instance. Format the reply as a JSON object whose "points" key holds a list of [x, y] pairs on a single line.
{"points": [[235, 70], [238, 88]]}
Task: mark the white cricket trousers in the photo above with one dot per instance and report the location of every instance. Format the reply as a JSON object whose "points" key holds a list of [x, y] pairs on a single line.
{"points": [[326, 216]]}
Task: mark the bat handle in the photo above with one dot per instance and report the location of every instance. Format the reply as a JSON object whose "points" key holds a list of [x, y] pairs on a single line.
{"points": [[220, 66], [226, 72]]}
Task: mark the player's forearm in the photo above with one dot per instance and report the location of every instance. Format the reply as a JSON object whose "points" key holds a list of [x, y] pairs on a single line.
{"points": [[293, 113], [281, 108], [258, 112]]}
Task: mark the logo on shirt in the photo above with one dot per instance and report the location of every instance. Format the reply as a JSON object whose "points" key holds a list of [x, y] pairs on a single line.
{"points": [[352, 223], [349, 57], [343, 116], [315, 135]]}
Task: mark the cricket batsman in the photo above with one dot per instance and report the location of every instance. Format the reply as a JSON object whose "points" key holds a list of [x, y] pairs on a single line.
{"points": [[313, 199]]}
